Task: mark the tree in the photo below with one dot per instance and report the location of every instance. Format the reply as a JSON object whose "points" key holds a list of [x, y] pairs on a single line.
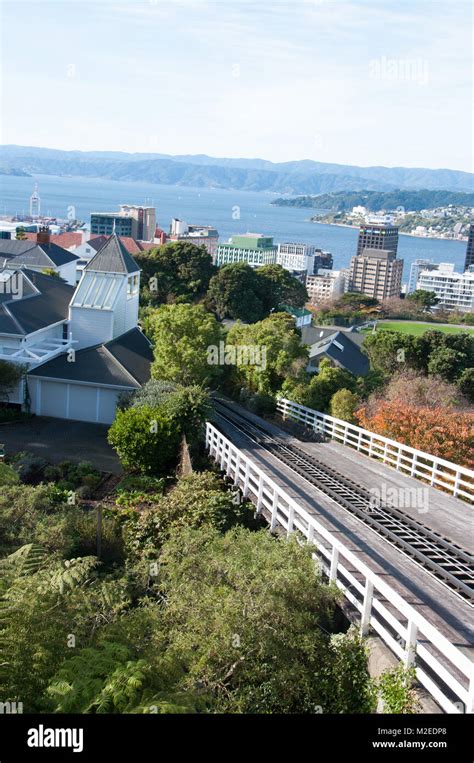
{"points": [[419, 391], [278, 286], [447, 363], [10, 376], [466, 383], [222, 590], [175, 272], [146, 440], [391, 351], [424, 299], [343, 405], [275, 345], [444, 433], [317, 390], [356, 301], [236, 292], [182, 336]]}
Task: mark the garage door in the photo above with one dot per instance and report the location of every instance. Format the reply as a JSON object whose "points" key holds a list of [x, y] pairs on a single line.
{"points": [[80, 402], [53, 399]]}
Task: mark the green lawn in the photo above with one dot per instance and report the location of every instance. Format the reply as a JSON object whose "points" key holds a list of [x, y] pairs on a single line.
{"points": [[411, 327]]}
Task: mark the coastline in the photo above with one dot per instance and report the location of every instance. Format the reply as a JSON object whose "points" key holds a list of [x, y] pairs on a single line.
{"points": [[401, 233]]}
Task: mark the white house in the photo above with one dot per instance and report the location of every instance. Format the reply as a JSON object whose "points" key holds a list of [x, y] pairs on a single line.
{"points": [[39, 256], [81, 346]]}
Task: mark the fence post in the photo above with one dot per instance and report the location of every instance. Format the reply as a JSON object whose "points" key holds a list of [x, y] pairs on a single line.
{"points": [[237, 468], [259, 495], [246, 479], [291, 516], [273, 522], [334, 563], [410, 646], [366, 608]]}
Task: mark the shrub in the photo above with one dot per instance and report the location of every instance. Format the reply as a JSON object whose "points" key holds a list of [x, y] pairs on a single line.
{"points": [[30, 468], [146, 440]]}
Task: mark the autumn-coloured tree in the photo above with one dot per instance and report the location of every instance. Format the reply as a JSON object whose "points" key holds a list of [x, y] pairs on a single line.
{"points": [[441, 432]]}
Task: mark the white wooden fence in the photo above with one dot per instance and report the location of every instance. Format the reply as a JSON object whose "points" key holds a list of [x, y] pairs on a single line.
{"points": [[439, 664], [458, 480]]}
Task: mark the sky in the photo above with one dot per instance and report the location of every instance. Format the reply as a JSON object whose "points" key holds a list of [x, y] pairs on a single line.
{"points": [[365, 82]]}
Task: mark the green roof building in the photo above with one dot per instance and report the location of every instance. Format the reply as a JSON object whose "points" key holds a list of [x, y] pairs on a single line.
{"points": [[252, 248]]}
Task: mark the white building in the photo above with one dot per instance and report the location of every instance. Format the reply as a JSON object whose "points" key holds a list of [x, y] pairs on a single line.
{"points": [[415, 269], [81, 346], [326, 285], [40, 256], [296, 256], [455, 291]]}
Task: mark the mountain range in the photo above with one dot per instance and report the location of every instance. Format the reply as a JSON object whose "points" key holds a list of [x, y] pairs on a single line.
{"points": [[202, 171]]}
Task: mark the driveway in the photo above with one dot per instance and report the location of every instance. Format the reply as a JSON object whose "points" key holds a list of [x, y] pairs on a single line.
{"points": [[57, 440]]}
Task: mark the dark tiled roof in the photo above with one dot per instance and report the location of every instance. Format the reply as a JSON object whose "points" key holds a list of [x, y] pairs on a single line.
{"points": [[105, 363], [340, 348], [113, 257], [34, 311], [31, 254], [133, 351]]}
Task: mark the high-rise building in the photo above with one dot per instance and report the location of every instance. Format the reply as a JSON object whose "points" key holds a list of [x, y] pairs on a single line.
{"points": [[252, 248], [377, 236], [296, 257], [131, 221], [470, 249], [415, 270], [455, 291], [377, 273]]}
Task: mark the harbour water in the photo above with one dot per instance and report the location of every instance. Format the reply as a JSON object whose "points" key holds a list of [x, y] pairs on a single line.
{"points": [[229, 211]]}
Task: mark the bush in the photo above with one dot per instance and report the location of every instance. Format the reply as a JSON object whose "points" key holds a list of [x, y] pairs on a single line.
{"points": [[8, 476], [30, 468], [146, 440], [343, 405]]}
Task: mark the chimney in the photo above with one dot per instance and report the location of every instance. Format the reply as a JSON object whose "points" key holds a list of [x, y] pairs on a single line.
{"points": [[44, 235]]}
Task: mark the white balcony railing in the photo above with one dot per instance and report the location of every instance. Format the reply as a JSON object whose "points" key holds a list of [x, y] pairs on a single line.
{"points": [[445, 672], [458, 480]]}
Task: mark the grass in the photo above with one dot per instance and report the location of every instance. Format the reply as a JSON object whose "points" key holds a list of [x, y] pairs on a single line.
{"points": [[416, 329]]}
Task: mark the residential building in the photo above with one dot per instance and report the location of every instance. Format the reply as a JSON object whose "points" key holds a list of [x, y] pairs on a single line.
{"points": [[455, 291], [415, 270], [301, 316], [326, 285], [81, 345], [469, 249], [377, 273], [253, 248], [131, 220], [39, 255], [378, 236], [341, 347]]}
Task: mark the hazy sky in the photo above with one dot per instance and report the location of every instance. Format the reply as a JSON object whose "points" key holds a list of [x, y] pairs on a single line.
{"points": [[358, 81]]}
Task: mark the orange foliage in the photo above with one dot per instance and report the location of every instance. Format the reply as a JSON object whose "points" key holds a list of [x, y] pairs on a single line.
{"points": [[441, 432]]}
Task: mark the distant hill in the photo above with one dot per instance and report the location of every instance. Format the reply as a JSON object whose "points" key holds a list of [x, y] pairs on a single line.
{"points": [[375, 200], [298, 177]]}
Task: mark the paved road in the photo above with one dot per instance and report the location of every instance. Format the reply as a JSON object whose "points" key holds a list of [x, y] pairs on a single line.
{"points": [[57, 440]]}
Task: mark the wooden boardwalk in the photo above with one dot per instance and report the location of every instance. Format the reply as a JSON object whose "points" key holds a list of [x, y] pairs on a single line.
{"points": [[446, 515]]}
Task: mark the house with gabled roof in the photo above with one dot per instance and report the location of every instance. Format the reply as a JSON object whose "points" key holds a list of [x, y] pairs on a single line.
{"points": [[40, 255], [342, 347], [80, 346]]}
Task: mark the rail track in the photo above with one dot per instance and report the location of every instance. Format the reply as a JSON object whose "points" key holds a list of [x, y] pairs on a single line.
{"points": [[448, 562]]}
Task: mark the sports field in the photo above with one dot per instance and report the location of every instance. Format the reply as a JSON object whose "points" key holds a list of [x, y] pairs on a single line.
{"points": [[412, 327]]}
